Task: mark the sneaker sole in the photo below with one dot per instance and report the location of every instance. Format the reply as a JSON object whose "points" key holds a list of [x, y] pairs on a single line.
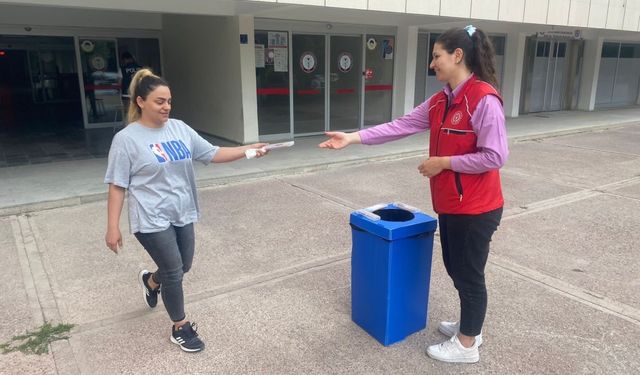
{"points": [[173, 340], [455, 360], [449, 334], [144, 289]]}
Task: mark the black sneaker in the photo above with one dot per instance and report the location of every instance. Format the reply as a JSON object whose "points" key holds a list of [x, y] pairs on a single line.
{"points": [[187, 337], [149, 295]]}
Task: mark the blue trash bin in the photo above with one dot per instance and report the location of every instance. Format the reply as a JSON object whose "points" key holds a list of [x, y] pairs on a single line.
{"points": [[391, 270]]}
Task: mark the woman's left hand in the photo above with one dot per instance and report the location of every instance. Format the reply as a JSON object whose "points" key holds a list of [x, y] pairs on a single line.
{"points": [[433, 166]]}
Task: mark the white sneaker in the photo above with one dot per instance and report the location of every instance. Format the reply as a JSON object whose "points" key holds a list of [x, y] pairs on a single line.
{"points": [[450, 329], [453, 351]]}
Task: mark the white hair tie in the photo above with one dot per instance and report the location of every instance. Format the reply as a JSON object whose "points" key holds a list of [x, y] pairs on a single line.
{"points": [[470, 29]]}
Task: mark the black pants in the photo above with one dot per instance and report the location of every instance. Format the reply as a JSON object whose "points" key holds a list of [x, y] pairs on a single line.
{"points": [[172, 251], [465, 247]]}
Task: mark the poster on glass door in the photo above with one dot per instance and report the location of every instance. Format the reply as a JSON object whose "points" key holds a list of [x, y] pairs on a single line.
{"points": [[387, 49], [260, 58], [277, 51]]}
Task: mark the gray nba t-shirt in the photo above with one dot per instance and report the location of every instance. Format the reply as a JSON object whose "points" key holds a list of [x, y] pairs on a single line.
{"points": [[156, 166]]}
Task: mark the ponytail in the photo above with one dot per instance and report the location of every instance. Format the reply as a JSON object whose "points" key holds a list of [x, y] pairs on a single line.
{"points": [[142, 83], [478, 51]]}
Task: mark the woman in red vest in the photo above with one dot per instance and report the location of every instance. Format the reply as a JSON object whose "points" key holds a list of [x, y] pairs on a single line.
{"points": [[467, 147]]}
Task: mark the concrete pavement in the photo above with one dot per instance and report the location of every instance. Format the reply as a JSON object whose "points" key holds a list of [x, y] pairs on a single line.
{"points": [[270, 285]]}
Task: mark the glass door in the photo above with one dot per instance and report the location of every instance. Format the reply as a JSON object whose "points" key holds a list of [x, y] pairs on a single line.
{"points": [[39, 86], [101, 81], [308, 83], [547, 76], [272, 83], [618, 83], [345, 82], [539, 75], [378, 75], [49, 68], [556, 80]]}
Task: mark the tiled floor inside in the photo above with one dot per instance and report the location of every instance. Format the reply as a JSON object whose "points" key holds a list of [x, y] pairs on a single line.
{"points": [[37, 148]]}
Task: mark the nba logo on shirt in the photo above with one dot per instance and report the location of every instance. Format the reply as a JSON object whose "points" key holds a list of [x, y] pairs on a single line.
{"points": [[170, 151], [157, 150]]}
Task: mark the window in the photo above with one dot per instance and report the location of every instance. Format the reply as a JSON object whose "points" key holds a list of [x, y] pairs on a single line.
{"points": [[560, 50], [542, 49], [498, 44], [432, 41], [630, 51], [610, 50]]}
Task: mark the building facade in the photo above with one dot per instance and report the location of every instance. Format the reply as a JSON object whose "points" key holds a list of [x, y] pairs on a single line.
{"points": [[269, 70]]}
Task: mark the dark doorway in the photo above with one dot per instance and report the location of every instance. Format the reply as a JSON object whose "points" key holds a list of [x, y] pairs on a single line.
{"points": [[39, 88]]}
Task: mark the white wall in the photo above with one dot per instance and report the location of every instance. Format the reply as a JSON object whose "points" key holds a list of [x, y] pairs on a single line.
{"points": [[512, 76], [353, 4], [589, 80], [485, 9], [579, 12], [598, 13], [455, 8], [405, 70], [217, 7], [620, 15], [536, 11], [248, 80], [423, 7], [512, 10], [387, 5], [631, 15], [615, 14], [64, 17], [610, 14], [202, 59]]}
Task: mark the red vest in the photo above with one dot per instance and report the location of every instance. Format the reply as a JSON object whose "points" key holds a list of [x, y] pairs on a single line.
{"points": [[452, 134]]}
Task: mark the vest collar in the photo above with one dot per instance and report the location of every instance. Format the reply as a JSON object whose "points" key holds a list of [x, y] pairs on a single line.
{"points": [[455, 96]]}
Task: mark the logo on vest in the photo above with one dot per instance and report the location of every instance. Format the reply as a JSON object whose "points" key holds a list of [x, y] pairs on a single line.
{"points": [[457, 117]]}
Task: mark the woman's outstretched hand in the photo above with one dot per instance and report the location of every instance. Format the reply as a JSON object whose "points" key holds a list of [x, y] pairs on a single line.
{"points": [[260, 149], [338, 140]]}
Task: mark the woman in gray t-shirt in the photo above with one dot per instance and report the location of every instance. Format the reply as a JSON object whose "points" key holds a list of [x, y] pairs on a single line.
{"points": [[153, 158]]}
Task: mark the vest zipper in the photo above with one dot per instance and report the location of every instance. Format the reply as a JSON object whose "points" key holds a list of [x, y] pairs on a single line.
{"points": [[457, 175], [459, 185], [444, 117]]}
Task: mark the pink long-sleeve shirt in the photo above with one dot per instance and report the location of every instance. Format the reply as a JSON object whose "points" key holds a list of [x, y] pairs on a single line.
{"points": [[487, 122]]}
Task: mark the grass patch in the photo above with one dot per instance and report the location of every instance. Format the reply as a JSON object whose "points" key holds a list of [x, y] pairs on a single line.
{"points": [[37, 342]]}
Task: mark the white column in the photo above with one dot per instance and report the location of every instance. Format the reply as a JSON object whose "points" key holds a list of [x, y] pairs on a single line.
{"points": [[590, 71], [248, 80], [212, 74], [404, 76], [513, 69]]}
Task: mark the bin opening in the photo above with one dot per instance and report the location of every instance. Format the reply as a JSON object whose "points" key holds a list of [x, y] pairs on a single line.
{"points": [[394, 214]]}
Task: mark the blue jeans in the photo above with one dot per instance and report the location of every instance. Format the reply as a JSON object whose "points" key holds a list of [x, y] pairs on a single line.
{"points": [[172, 251]]}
